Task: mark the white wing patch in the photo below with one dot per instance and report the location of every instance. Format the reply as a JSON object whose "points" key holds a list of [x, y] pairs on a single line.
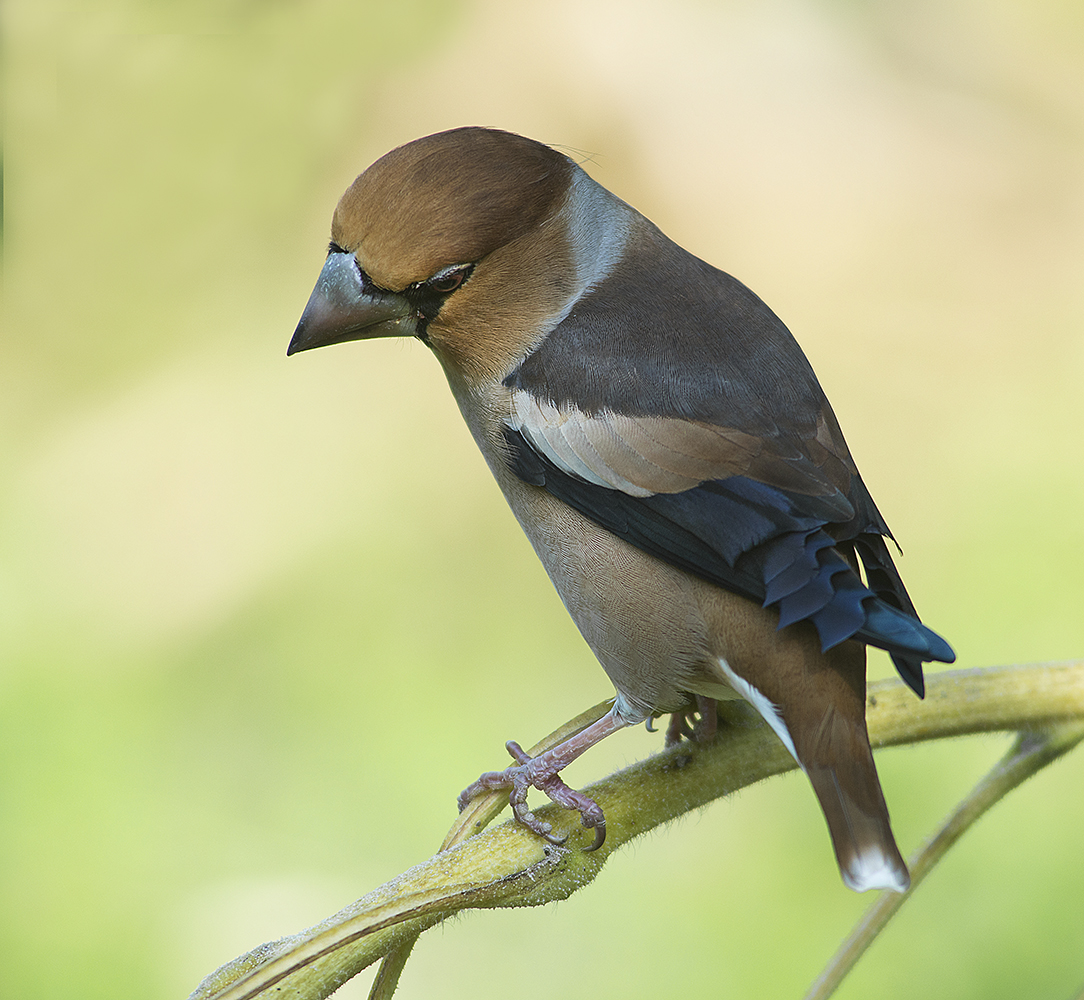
{"points": [[572, 440], [639, 456]]}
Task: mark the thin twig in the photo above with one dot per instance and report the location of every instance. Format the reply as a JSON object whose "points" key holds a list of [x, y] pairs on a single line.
{"points": [[1031, 752]]}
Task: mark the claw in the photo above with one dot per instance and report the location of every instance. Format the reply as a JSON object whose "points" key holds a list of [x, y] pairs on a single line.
{"points": [[600, 837]]}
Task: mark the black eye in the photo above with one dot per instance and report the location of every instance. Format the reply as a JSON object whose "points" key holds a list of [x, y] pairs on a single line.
{"points": [[448, 281]]}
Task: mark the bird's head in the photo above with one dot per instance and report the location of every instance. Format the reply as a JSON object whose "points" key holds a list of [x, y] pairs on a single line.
{"points": [[460, 239]]}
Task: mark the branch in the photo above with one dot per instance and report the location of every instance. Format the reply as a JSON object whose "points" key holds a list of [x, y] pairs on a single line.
{"points": [[508, 866], [1031, 752]]}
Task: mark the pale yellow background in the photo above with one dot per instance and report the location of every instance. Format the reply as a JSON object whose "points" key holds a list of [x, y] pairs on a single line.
{"points": [[261, 619]]}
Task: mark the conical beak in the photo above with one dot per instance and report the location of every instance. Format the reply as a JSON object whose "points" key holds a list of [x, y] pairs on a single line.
{"points": [[340, 309]]}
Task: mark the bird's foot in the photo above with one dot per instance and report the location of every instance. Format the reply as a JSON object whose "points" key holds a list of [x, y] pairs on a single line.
{"points": [[543, 772], [538, 772], [699, 723]]}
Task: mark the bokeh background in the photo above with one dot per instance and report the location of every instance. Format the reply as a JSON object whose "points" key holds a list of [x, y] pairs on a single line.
{"points": [[261, 619]]}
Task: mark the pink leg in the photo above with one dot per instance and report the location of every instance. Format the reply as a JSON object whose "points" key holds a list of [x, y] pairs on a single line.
{"points": [[702, 730], [542, 772]]}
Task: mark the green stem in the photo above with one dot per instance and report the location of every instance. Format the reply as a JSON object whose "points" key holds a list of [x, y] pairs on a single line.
{"points": [[508, 866], [480, 812]]}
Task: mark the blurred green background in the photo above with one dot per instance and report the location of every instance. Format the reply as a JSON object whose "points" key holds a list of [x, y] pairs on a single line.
{"points": [[261, 619]]}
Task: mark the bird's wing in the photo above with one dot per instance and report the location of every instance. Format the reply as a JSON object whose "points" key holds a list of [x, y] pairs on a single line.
{"points": [[717, 452], [646, 454]]}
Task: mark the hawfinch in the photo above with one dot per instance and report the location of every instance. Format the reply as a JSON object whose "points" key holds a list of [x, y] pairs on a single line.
{"points": [[663, 442]]}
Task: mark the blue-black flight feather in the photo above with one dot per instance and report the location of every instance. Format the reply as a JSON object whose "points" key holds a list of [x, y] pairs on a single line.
{"points": [[754, 540]]}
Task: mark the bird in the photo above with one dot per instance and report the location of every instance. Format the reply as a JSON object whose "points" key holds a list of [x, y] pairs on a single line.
{"points": [[666, 447]]}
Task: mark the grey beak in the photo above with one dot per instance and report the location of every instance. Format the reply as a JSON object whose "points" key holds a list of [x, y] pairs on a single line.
{"points": [[340, 309]]}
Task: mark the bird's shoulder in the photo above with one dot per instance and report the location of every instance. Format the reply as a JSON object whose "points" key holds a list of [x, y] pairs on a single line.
{"points": [[668, 373]]}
